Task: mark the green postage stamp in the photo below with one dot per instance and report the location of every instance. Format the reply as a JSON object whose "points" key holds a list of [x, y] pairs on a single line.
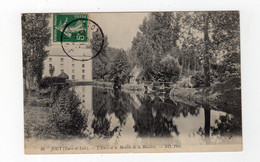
{"points": [[73, 26]]}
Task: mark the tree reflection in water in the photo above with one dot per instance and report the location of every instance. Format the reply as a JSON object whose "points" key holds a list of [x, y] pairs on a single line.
{"points": [[153, 115], [120, 106], [227, 125], [230, 100], [110, 102], [151, 120], [100, 123]]}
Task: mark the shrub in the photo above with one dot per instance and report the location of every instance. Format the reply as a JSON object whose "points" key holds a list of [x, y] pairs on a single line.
{"points": [[168, 69], [48, 81], [197, 80], [227, 125], [67, 115]]}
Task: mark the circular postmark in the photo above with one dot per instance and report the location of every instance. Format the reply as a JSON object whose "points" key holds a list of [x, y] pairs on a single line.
{"points": [[82, 39]]}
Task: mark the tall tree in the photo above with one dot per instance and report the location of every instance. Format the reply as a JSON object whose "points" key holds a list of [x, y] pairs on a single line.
{"points": [[143, 51], [161, 31], [217, 29], [190, 52], [206, 65], [120, 67], [35, 37], [51, 70], [157, 37], [226, 41], [100, 62]]}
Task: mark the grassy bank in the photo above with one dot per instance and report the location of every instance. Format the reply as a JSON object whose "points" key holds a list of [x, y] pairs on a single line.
{"points": [[37, 117], [53, 116]]}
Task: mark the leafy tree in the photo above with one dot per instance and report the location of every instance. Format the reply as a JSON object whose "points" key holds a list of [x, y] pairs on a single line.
{"points": [[169, 69], [161, 31], [190, 52], [120, 67], [226, 41], [100, 62], [35, 37], [220, 35], [157, 37], [51, 70], [143, 51], [200, 22], [66, 114]]}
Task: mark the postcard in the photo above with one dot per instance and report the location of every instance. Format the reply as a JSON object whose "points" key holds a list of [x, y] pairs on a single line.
{"points": [[144, 82]]}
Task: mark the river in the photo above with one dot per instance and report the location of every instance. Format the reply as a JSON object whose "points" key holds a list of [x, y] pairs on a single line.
{"points": [[120, 117]]}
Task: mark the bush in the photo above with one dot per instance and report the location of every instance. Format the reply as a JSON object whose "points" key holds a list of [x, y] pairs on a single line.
{"points": [[168, 69], [67, 115], [48, 81], [197, 80]]}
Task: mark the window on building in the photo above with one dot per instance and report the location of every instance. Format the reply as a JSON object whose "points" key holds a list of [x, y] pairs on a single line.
{"points": [[83, 77], [73, 71], [61, 59], [50, 59], [62, 70], [50, 65], [83, 65], [61, 65], [73, 65], [83, 71], [73, 76]]}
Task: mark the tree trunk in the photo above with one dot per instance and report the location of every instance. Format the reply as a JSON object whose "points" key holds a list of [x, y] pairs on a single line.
{"points": [[182, 64], [188, 67], [195, 64], [206, 52]]}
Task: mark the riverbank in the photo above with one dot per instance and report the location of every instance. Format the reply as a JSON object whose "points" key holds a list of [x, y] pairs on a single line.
{"points": [[222, 99], [194, 96], [52, 116], [127, 87], [36, 117], [217, 101]]}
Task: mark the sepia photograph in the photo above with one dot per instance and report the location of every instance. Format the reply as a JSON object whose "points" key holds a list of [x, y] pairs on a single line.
{"points": [[131, 82]]}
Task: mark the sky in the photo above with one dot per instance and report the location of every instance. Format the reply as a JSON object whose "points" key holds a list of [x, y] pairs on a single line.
{"points": [[120, 28]]}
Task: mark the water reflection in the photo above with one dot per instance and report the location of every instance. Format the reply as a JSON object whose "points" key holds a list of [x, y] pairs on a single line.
{"points": [[113, 113]]}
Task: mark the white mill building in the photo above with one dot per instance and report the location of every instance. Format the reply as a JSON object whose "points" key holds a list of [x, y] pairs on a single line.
{"points": [[76, 70]]}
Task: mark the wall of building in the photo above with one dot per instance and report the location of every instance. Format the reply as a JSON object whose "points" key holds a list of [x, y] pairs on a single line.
{"points": [[76, 70]]}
